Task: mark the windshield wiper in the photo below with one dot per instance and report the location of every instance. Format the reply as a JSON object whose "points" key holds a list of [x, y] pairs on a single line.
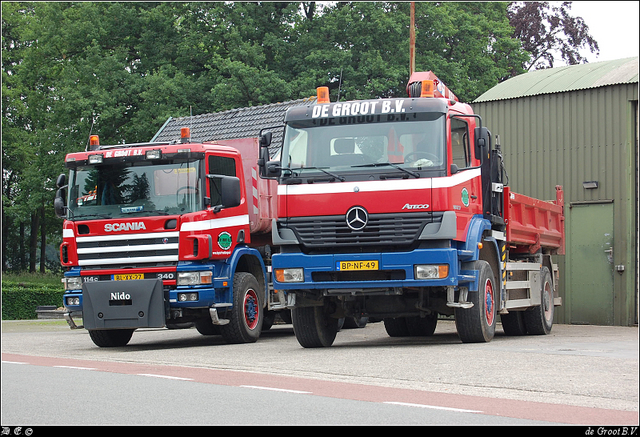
{"points": [[156, 211], [381, 164], [105, 216], [333, 175]]}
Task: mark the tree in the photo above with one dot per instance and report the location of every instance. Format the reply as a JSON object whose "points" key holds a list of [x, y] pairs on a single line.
{"points": [[548, 31], [468, 45], [121, 69]]}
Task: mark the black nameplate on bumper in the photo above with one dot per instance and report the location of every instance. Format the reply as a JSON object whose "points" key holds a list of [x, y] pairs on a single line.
{"points": [[123, 304]]}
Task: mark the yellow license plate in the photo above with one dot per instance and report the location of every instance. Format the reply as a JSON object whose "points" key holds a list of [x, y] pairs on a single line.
{"points": [[357, 265], [128, 277]]}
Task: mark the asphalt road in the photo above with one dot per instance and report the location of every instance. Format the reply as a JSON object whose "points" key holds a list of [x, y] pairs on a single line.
{"points": [[585, 375]]}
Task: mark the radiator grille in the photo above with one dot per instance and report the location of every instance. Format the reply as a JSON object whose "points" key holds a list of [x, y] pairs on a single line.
{"points": [[128, 249], [382, 230]]}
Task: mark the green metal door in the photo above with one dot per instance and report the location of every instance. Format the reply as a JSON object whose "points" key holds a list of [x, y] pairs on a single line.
{"points": [[591, 263]]}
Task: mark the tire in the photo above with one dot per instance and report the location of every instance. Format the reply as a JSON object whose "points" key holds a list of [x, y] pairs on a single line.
{"points": [[396, 327], [478, 323], [206, 327], [111, 338], [247, 313], [313, 327], [422, 326], [513, 323], [539, 320]]}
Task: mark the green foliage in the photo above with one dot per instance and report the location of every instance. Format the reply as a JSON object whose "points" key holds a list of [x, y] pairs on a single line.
{"points": [[20, 299], [121, 69]]}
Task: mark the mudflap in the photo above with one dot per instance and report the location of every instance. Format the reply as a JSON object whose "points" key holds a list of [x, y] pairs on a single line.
{"points": [[123, 304]]}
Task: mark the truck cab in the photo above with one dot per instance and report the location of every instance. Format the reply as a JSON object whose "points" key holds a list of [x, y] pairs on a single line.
{"points": [[158, 234], [390, 208]]}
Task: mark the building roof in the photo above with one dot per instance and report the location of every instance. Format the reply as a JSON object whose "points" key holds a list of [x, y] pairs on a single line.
{"points": [[563, 79], [235, 123]]}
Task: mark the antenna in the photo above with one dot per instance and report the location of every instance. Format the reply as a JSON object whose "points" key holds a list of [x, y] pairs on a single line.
{"points": [[86, 148], [191, 117], [339, 84]]}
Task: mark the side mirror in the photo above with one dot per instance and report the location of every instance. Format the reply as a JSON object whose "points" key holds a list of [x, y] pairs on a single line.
{"points": [[61, 181], [59, 203], [268, 169], [265, 139], [454, 169], [230, 194], [483, 140]]}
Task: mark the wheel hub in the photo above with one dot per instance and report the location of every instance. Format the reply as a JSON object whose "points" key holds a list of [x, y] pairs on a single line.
{"points": [[488, 294], [251, 309]]}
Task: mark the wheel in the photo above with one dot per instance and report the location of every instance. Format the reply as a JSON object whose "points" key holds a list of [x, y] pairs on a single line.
{"points": [[355, 322], [206, 327], [422, 326], [478, 323], [111, 338], [513, 323], [396, 327], [247, 314], [313, 327], [539, 320]]}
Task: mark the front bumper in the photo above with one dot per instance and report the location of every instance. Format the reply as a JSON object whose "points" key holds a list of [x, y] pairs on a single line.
{"points": [[394, 270]]}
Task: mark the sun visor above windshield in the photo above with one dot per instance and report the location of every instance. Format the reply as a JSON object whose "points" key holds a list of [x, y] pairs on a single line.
{"points": [[379, 110]]}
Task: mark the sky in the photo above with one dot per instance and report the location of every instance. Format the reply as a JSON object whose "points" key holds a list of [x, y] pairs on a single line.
{"points": [[614, 25]]}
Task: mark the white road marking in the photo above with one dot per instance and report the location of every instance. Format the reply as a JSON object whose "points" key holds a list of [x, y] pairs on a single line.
{"points": [[164, 376], [460, 410], [75, 367], [275, 389]]}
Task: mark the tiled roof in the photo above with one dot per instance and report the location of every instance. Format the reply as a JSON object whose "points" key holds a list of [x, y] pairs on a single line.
{"points": [[235, 123]]}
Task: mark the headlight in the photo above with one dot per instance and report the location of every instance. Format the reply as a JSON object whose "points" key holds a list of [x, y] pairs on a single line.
{"points": [[187, 297], [153, 154], [431, 271], [195, 278], [290, 275], [72, 283], [71, 301], [95, 159]]}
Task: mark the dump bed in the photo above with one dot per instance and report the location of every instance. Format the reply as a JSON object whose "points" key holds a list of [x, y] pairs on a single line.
{"points": [[261, 193], [533, 224]]}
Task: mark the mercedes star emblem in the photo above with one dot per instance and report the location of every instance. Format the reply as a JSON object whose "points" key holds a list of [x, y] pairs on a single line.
{"points": [[357, 218]]}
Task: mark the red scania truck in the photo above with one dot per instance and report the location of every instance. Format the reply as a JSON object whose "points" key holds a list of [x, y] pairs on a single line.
{"points": [[167, 234], [397, 209]]}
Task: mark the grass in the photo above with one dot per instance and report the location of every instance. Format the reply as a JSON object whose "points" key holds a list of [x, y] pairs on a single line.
{"points": [[33, 278]]}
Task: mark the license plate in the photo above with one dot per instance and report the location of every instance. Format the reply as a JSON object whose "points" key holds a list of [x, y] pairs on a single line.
{"points": [[128, 277], [357, 265]]}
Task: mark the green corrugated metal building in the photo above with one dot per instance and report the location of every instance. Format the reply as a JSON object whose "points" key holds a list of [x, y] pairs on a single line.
{"points": [[577, 126]]}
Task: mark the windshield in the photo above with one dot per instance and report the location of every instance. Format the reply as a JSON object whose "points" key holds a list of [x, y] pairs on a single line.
{"points": [[125, 190], [413, 143]]}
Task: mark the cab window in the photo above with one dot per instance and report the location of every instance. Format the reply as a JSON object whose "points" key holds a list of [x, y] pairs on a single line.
{"points": [[460, 153]]}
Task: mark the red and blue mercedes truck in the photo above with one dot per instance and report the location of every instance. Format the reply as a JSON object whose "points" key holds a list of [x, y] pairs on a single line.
{"points": [[167, 235], [397, 209]]}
